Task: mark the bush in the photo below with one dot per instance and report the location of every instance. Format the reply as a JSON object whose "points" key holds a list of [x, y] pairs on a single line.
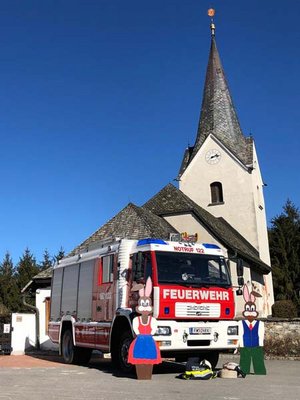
{"points": [[284, 309], [3, 310]]}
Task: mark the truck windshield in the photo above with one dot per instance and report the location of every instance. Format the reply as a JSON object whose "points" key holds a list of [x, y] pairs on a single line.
{"points": [[191, 269]]}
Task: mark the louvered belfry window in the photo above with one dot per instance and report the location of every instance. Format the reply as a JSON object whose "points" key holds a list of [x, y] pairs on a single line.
{"points": [[216, 191]]}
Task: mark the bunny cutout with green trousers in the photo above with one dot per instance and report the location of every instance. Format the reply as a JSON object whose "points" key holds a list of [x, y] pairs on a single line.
{"points": [[251, 342]]}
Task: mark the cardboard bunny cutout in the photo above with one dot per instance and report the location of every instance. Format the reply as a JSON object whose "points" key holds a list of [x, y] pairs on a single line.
{"points": [[144, 351], [251, 344]]}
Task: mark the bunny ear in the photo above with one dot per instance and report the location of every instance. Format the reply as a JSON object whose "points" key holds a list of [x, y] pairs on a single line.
{"points": [[148, 288], [142, 292], [252, 298], [246, 293]]}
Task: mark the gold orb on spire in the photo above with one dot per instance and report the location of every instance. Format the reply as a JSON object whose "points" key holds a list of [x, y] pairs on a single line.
{"points": [[211, 12]]}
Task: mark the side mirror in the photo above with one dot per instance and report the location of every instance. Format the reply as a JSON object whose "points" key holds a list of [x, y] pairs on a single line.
{"points": [[240, 281], [239, 267], [240, 276]]}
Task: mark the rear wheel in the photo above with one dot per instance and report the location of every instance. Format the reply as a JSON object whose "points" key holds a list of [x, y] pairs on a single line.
{"points": [[68, 348], [120, 351], [72, 354]]}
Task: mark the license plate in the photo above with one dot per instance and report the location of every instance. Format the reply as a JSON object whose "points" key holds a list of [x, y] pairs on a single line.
{"points": [[200, 330]]}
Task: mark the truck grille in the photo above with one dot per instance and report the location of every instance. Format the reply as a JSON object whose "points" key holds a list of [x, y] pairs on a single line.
{"points": [[197, 310], [198, 343]]}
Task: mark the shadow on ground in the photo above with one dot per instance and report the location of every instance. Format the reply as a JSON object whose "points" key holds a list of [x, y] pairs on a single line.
{"points": [[102, 364]]}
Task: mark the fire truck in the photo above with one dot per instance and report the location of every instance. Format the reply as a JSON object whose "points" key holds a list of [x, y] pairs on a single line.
{"points": [[93, 305]]}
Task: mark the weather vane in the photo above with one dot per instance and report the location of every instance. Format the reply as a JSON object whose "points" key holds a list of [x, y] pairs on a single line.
{"points": [[211, 13]]}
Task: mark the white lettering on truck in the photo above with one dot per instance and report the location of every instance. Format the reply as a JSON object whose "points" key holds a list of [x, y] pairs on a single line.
{"points": [[194, 294]]}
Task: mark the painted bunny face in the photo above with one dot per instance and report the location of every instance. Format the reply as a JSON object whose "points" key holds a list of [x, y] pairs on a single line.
{"points": [[249, 312], [144, 306]]}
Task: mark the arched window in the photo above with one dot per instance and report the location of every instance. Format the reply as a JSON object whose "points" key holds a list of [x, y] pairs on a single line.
{"points": [[216, 191]]}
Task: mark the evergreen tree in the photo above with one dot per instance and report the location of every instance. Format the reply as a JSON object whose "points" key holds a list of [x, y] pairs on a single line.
{"points": [[9, 293], [27, 268], [60, 255], [47, 261], [284, 237]]}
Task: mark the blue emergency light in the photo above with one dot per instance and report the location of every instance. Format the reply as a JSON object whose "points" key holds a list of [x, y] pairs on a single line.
{"points": [[143, 242], [210, 246]]}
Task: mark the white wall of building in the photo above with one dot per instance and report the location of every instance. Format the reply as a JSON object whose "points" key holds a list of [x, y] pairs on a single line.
{"points": [[45, 342], [188, 223], [243, 207], [239, 208], [23, 333], [24, 328]]}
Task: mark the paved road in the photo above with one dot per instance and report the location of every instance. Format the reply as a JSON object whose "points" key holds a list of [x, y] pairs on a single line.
{"points": [[45, 378]]}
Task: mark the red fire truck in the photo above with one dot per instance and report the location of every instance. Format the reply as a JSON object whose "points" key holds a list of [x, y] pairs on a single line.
{"points": [[92, 304]]}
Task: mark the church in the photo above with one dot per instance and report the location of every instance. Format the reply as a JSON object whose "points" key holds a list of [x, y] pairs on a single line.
{"points": [[220, 193]]}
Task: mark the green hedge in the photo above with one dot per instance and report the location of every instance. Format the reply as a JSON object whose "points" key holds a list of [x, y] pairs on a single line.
{"points": [[284, 309]]}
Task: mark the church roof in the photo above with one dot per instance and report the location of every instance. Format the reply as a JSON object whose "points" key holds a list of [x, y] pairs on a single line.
{"points": [[218, 115], [171, 201], [135, 222], [132, 222]]}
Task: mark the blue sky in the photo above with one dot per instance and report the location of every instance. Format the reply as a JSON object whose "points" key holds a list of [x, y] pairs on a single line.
{"points": [[98, 100]]}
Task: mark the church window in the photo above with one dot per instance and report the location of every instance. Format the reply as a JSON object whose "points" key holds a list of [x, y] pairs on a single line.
{"points": [[216, 191]]}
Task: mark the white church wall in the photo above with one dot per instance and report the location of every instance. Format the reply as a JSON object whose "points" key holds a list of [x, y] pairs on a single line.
{"points": [[238, 208], [261, 220], [262, 234], [187, 223]]}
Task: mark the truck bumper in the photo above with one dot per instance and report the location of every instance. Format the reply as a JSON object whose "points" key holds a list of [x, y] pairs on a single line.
{"points": [[198, 335]]}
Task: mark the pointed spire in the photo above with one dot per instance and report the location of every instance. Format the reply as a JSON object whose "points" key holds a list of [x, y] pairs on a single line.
{"points": [[218, 115]]}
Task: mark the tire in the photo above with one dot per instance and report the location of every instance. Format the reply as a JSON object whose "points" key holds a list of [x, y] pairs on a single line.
{"points": [[83, 355], [72, 354], [68, 348], [119, 353], [181, 358]]}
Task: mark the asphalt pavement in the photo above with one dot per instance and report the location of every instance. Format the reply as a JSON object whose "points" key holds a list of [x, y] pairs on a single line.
{"points": [[44, 377]]}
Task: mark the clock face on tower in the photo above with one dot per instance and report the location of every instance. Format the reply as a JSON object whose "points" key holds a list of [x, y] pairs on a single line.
{"points": [[213, 156]]}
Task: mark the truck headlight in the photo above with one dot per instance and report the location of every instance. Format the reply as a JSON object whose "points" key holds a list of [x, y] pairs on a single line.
{"points": [[163, 331], [233, 330]]}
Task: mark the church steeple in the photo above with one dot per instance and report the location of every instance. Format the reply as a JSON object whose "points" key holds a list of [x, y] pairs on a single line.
{"points": [[221, 172], [218, 116]]}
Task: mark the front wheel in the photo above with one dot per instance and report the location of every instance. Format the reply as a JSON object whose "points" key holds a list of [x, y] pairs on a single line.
{"points": [[120, 351]]}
